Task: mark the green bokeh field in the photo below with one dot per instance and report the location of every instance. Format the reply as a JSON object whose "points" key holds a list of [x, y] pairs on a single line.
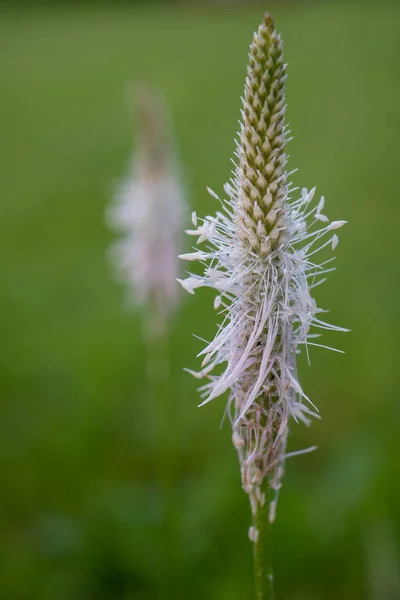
{"points": [[105, 494]]}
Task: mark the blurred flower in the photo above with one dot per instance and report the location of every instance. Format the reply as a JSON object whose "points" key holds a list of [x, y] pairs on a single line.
{"points": [[260, 260], [148, 210]]}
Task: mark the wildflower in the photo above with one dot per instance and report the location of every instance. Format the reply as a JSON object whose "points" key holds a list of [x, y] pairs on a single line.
{"points": [[148, 211], [260, 259]]}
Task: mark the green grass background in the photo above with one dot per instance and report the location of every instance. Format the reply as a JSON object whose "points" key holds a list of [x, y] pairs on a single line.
{"points": [[103, 494]]}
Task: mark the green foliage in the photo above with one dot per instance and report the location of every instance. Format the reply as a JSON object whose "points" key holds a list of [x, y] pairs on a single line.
{"points": [[95, 505]]}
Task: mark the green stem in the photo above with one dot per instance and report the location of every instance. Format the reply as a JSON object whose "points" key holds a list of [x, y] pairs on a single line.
{"points": [[263, 574], [157, 369]]}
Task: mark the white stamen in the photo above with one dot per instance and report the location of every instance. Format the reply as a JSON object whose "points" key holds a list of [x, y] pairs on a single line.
{"points": [[212, 193], [336, 225], [253, 534]]}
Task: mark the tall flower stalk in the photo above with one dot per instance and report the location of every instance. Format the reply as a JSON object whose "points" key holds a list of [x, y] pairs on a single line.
{"points": [[148, 211], [260, 259]]}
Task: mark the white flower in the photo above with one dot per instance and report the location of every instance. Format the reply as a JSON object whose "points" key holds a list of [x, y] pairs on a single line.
{"points": [[260, 255], [148, 211]]}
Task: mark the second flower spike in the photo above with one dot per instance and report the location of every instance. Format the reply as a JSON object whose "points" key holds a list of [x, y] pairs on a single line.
{"points": [[148, 211]]}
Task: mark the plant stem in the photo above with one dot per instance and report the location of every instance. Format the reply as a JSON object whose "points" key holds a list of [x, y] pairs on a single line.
{"points": [[157, 370], [263, 574]]}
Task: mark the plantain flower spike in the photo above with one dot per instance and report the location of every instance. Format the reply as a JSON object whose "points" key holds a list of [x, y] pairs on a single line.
{"points": [[261, 261], [148, 210]]}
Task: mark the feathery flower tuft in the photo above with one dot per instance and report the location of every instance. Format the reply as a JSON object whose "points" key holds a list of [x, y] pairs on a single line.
{"points": [[148, 211], [261, 260]]}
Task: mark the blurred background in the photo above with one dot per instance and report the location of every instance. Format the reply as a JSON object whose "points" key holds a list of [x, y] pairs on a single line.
{"points": [[104, 496]]}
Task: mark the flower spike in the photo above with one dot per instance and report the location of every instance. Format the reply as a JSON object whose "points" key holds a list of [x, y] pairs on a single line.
{"points": [[259, 261], [148, 210]]}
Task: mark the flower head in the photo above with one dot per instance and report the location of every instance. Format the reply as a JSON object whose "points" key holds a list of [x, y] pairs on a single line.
{"points": [[260, 260], [148, 211]]}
